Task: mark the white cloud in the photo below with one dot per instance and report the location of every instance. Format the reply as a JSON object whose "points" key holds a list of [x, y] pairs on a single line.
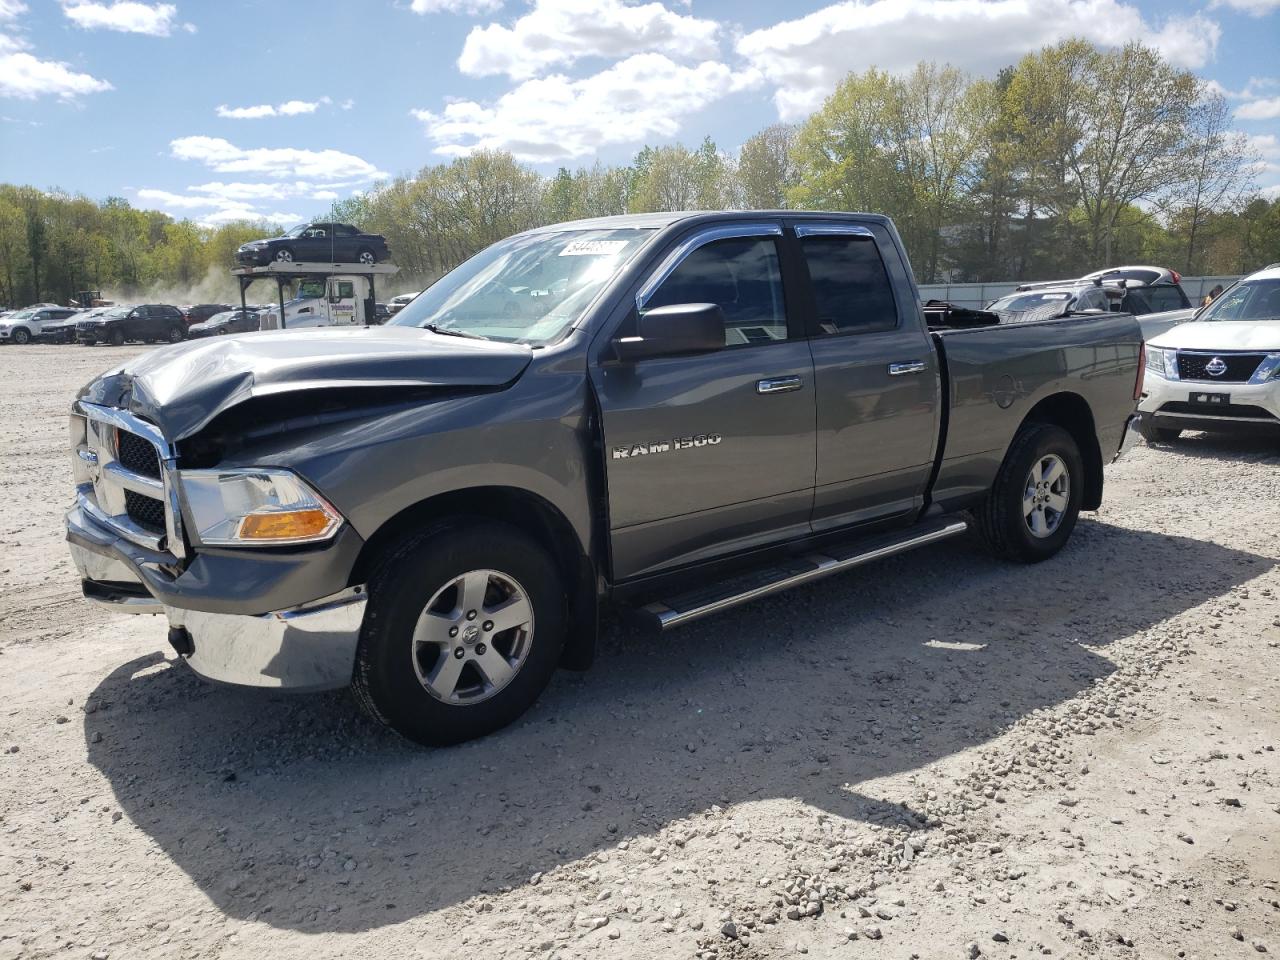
{"points": [[554, 117], [125, 16], [455, 6], [27, 77], [1267, 108], [225, 157], [9, 9], [561, 32], [290, 108], [805, 58], [1257, 8]]}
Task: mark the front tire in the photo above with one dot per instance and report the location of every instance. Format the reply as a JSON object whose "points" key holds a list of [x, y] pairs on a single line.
{"points": [[463, 630], [1032, 507], [1153, 434], [116, 338], [284, 255], [21, 337]]}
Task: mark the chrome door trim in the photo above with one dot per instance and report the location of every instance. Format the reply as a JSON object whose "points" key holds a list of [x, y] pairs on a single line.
{"points": [[729, 231], [832, 229]]}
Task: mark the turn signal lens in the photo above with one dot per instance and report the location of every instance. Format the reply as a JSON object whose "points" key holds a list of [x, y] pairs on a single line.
{"points": [[293, 525]]}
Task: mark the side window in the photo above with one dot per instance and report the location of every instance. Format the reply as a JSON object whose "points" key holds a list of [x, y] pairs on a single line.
{"points": [[345, 289], [316, 233], [141, 313], [742, 275], [850, 285]]}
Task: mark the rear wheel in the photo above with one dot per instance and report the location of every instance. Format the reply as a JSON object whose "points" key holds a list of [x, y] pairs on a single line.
{"points": [[176, 335], [366, 256], [21, 336], [463, 631], [1032, 508], [1153, 434], [116, 338]]}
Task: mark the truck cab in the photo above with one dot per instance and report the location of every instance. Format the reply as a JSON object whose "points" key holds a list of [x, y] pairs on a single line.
{"points": [[336, 301]]}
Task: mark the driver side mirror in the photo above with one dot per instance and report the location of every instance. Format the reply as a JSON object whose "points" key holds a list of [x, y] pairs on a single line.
{"points": [[672, 330]]}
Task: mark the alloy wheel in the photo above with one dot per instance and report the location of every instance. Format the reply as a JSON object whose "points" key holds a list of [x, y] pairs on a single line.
{"points": [[1046, 495]]}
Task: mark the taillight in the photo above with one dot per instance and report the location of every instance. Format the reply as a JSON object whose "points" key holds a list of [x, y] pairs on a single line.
{"points": [[1142, 369], [1177, 277]]}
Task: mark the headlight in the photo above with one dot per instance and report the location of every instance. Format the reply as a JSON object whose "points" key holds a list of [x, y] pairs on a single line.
{"points": [[256, 508], [1163, 363]]}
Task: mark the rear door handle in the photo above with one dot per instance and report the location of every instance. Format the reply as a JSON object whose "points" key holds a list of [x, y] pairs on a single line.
{"points": [[779, 385], [910, 366]]}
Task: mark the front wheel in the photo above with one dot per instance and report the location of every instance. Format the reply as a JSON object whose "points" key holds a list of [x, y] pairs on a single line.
{"points": [[463, 630], [1032, 507], [21, 337], [1153, 434], [116, 338], [284, 255]]}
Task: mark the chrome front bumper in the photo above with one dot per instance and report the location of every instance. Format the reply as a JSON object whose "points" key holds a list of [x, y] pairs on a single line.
{"points": [[310, 646]]}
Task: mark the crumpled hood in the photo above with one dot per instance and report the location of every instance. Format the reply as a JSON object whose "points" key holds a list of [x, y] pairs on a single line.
{"points": [[1222, 335], [183, 387]]}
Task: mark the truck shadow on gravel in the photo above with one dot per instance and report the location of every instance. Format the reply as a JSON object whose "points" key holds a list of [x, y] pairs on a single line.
{"points": [[301, 813]]}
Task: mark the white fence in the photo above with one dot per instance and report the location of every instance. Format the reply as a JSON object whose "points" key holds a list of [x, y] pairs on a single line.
{"points": [[978, 295]]}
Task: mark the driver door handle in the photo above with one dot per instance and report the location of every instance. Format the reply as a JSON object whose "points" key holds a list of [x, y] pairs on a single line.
{"points": [[779, 385], [909, 366]]}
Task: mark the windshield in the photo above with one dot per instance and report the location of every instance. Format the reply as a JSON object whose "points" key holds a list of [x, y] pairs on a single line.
{"points": [[117, 312], [225, 317], [1025, 301], [525, 289], [21, 315], [1247, 300]]}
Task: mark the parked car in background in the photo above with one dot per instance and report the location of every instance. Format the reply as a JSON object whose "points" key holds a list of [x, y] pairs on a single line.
{"points": [[316, 242], [398, 303], [25, 325], [381, 313], [1219, 372], [1059, 300], [201, 312], [229, 321], [150, 323], [64, 330]]}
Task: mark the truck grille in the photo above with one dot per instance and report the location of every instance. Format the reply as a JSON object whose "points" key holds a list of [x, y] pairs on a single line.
{"points": [[121, 478], [137, 454], [1240, 366], [146, 512]]}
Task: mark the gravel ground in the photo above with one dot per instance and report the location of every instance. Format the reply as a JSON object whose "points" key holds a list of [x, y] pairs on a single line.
{"points": [[936, 756]]}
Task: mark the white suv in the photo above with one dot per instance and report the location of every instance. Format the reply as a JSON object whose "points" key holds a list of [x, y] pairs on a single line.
{"points": [[1220, 372]]}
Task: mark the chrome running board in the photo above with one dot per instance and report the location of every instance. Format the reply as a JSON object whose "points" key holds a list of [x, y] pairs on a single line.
{"points": [[696, 604]]}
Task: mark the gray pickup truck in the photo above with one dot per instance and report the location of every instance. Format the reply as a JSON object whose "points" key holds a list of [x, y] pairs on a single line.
{"points": [[670, 413]]}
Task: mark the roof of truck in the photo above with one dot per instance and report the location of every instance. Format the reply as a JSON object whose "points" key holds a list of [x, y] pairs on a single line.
{"points": [[656, 221]]}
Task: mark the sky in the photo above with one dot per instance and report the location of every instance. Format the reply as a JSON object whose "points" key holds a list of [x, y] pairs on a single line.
{"points": [[220, 110]]}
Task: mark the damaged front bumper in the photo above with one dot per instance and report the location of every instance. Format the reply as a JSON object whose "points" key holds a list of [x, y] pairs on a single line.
{"points": [[297, 645]]}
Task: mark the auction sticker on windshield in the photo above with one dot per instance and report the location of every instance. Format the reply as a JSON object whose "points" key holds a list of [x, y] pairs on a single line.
{"points": [[594, 248]]}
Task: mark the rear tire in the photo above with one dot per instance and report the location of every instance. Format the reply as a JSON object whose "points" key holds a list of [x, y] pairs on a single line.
{"points": [[1153, 434], [1032, 507], [366, 256], [432, 689], [177, 335]]}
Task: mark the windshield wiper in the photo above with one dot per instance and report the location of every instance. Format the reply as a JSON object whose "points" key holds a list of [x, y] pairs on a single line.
{"points": [[445, 331]]}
